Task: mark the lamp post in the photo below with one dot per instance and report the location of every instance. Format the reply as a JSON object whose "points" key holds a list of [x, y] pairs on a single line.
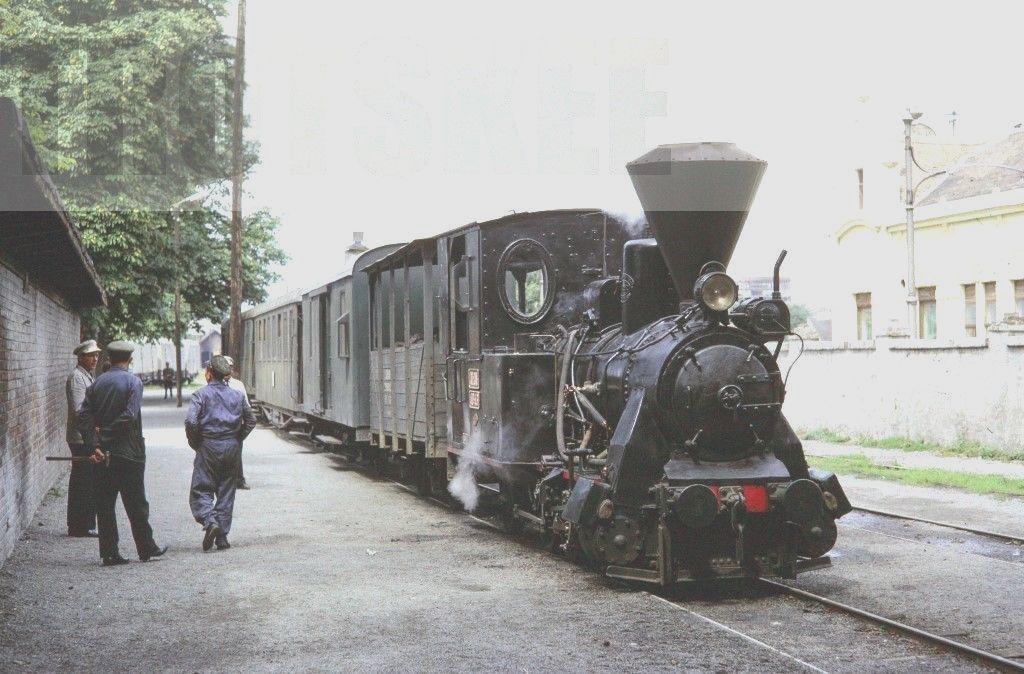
{"points": [[911, 189], [908, 146], [176, 215]]}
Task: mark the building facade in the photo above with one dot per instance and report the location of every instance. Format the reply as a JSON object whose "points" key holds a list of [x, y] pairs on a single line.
{"points": [[46, 279], [968, 266]]}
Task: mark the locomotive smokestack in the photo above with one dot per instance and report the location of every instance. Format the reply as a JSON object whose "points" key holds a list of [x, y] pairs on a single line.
{"points": [[696, 197]]}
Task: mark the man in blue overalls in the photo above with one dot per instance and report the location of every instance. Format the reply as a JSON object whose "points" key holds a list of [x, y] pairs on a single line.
{"points": [[218, 421]]}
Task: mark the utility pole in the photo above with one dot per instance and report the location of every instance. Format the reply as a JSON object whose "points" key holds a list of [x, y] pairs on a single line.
{"points": [[912, 312], [177, 300], [235, 322]]}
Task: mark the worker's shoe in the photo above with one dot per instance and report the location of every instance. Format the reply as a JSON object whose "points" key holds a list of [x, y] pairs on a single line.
{"points": [[222, 542], [242, 484], [155, 551], [114, 560], [212, 532], [83, 533]]}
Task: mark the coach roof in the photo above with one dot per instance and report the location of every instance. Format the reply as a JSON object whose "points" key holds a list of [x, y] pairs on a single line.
{"points": [[413, 248]]}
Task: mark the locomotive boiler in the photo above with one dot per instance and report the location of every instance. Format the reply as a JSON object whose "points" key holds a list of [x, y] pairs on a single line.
{"points": [[680, 463]]}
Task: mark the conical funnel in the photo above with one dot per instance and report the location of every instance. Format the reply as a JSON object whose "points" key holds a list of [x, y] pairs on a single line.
{"points": [[696, 197]]}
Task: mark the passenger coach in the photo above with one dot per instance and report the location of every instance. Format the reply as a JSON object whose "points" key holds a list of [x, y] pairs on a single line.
{"points": [[271, 366], [336, 349]]}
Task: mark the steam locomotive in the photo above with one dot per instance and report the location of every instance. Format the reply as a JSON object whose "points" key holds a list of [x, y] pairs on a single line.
{"points": [[609, 392]]}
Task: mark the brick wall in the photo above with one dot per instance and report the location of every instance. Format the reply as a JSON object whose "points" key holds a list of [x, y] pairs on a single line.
{"points": [[37, 336]]}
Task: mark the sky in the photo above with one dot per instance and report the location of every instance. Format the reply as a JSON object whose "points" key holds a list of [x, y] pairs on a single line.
{"points": [[402, 121]]}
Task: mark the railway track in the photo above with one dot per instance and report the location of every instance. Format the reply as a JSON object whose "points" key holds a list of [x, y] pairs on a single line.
{"points": [[941, 641], [947, 525], [944, 643]]}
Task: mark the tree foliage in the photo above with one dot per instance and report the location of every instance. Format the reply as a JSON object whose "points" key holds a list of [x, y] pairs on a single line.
{"points": [[137, 256], [128, 102], [798, 315]]}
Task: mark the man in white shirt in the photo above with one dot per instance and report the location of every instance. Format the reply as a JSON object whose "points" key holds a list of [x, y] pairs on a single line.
{"points": [[81, 500], [236, 383]]}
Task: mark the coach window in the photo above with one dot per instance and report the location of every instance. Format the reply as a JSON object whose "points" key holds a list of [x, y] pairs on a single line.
{"points": [[279, 351], [524, 274], [343, 347]]}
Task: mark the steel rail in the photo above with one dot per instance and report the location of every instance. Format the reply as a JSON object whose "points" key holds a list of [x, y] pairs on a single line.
{"points": [[950, 644], [977, 653], [948, 525], [742, 635]]}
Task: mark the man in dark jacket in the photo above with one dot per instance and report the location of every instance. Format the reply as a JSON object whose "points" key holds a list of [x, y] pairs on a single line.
{"points": [[168, 377], [218, 420], [110, 420]]}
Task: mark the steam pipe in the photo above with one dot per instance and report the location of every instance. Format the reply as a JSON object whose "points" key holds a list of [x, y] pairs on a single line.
{"points": [[563, 381], [776, 285], [589, 406]]}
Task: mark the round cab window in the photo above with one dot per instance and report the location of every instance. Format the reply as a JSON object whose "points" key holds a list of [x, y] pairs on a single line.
{"points": [[524, 274]]}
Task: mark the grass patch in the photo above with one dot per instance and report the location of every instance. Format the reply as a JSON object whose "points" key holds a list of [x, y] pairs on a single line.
{"points": [[824, 435], [967, 448], [861, 466]]}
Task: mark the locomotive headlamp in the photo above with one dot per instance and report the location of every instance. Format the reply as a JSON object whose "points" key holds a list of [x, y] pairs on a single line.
{"points": [[696, 506], [716, 291]]}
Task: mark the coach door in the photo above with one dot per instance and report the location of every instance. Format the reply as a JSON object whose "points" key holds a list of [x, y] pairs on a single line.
{"points": [[462, 371]]}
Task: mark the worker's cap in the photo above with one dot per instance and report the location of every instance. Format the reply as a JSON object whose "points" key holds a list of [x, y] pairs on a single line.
{"points": [[120, 347], [230, 360], [87, 347], [220, 365]]}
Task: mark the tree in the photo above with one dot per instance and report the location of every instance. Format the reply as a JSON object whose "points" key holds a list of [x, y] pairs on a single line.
{"points": [[798, 315], [126, 99], [134, 253], [128, 102]]}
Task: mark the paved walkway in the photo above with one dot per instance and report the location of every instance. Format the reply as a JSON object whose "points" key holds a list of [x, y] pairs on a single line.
{"points": [[329, 571]]}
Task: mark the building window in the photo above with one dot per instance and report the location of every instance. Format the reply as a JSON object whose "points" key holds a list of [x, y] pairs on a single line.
{"points": [[863, 315], [990, 303], [860, 187], [1018, 296], [970, 310], [926, 312]]}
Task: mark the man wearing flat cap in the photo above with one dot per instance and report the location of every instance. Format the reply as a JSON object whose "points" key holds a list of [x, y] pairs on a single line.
{"points": [[235, 383], [219, 419], [81, 506], [110, 420]]}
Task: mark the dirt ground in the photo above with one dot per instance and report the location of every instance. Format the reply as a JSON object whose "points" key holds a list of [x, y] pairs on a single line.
{"points": [[332, 570]]}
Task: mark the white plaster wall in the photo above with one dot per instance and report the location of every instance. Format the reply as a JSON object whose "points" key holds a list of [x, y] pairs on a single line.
{"points": [[939, 391]]}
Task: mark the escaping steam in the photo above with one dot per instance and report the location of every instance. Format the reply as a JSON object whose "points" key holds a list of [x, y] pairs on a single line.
{"points": [[634, 223], [463, 484]]}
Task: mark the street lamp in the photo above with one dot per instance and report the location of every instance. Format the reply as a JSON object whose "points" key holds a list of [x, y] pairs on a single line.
{"points": [[908, 121], [199, 197], [912, 303]]}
